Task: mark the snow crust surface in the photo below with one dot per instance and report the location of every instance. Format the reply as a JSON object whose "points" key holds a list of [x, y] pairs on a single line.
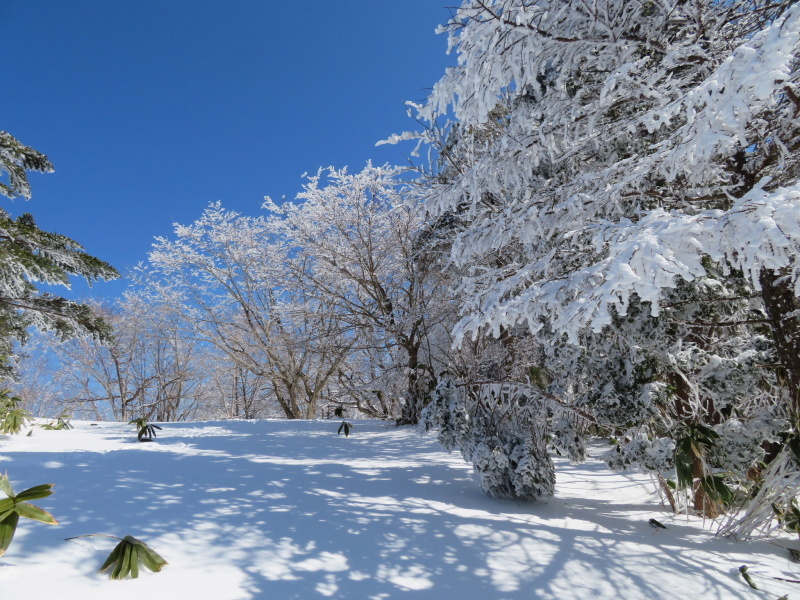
{"points": [[286, 509]]}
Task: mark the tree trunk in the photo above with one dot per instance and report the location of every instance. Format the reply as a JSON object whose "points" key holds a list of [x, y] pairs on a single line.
{"points": [[704, 505], [415, 401], [784, 319]]}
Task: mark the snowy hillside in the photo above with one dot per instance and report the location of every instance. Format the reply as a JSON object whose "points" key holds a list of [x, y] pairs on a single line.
{"points": [[286, 509]]}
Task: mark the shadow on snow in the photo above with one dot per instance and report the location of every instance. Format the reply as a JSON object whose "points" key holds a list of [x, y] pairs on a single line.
{"points": [[290, 510]]}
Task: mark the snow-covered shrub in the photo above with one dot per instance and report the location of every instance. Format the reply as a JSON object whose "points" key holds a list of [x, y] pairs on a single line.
{"points": [[638, 450], [651, 381], [565, 439], [773, 496], [491, 464], [531, 469], [740, 445], [632, 406], [447, 413], [502, 429]]}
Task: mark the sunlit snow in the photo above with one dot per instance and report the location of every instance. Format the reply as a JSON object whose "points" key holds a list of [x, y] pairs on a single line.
{"points": [[288, 509]]}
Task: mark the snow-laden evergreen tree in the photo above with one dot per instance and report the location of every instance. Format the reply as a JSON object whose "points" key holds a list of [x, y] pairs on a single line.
{"points": [[31, 256], [503, 430], [624, 176], [643, 138]]}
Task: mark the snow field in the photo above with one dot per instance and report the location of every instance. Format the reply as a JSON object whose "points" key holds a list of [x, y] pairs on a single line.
{"points": [[286, 509]]}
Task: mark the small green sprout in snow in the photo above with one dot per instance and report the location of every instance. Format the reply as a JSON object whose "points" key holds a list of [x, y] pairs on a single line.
{"points": [[747, 578], [147, 431], [62, 423], [128, 556]]}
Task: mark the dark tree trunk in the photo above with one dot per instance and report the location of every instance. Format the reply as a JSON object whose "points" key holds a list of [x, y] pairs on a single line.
{"points": [[784, 319], [416, 390], [703, 503]]}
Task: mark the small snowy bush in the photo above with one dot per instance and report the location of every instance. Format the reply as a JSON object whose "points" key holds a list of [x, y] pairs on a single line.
{"points": [[502, 429], [532, 471]]}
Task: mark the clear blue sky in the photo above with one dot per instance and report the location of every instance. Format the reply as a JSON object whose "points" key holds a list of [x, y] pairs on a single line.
{"points": [[150, 110]]}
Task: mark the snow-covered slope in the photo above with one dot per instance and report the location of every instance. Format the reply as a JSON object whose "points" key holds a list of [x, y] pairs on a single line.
{"points": [[286, 509]]}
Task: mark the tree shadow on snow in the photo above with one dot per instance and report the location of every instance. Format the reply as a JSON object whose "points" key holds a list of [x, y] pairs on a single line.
{"points": [[291, 510]]}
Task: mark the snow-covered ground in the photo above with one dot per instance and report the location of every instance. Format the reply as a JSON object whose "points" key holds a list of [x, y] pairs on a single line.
{"points": [[286, 509]]}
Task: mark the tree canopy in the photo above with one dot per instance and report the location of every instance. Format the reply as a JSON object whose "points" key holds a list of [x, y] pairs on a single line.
{"points": [[31, 256]]}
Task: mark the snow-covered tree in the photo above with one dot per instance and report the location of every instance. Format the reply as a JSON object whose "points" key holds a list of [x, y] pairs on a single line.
{"points": [[624, 178], [32, 256], [361, 234], [145, 367], [235, 392], [644, 138], [236, 286]]}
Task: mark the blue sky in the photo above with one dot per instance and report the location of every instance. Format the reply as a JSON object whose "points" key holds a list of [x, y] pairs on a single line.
{"points": [[150, 110]]}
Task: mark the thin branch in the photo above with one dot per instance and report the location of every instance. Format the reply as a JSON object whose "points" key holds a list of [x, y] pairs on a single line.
{"points": [[555, 399], [723, 323]]}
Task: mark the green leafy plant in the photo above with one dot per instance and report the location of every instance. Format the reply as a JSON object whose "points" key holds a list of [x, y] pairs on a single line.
{"points": [[62, 423], [18, 505], [128, 556], [788, 517], [147, 431], [345, 428], [12, 416], [690, 452]]}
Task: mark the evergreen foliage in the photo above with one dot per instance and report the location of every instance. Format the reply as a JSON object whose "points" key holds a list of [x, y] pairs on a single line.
{"points": [[30, 256], [621, 180], [504, 430]]}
